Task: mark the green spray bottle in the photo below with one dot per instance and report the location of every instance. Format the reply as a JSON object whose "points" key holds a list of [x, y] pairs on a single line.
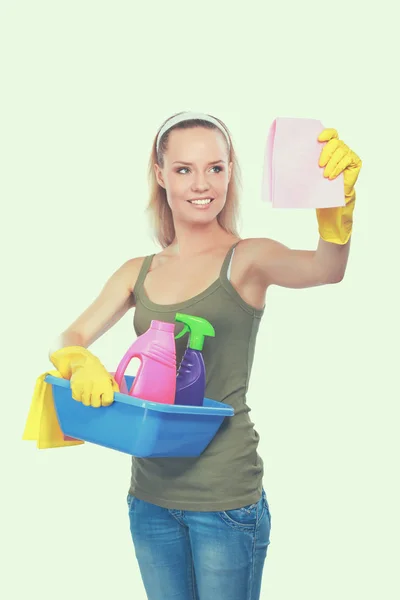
{"points": [[191, 377]]}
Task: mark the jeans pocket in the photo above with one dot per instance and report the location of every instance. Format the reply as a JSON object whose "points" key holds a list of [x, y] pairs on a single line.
{"points": [[266, 505], [242, 518], [131, 502]]}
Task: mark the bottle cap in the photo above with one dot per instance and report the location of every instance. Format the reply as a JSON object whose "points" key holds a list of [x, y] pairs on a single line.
{"points": [[162, 326]]}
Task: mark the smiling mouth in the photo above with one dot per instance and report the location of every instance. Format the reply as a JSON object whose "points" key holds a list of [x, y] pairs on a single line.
{"points": [[202, 201]]}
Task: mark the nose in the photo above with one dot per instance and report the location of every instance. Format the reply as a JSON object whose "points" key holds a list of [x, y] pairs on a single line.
{"points": [[200, 183]]}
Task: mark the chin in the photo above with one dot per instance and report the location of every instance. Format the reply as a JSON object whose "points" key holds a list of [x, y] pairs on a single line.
{"points": [[205, 217]]}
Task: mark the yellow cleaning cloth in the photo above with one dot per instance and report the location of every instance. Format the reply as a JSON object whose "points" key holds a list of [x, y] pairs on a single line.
{"points": [[42, 423]]}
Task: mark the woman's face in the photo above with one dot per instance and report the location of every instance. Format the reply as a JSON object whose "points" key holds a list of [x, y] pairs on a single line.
{"points": [[196, 166]]}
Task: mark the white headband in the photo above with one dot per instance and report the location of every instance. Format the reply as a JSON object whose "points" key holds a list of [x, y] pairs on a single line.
{"points": [[186, 117]]}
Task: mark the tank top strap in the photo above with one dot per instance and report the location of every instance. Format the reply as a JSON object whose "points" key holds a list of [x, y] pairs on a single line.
{"points": [[227, 262], [142, 274]]}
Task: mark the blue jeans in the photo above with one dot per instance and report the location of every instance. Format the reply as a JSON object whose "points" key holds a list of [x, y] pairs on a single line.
{"points": [[187, 555]]}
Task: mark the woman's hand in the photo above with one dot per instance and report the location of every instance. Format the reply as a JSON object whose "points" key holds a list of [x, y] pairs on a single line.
{"points": [[91, 383], [337, 158], [335, 224]]}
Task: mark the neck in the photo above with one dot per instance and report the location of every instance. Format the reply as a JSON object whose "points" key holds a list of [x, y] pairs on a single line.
{"points": [[191, 240]]}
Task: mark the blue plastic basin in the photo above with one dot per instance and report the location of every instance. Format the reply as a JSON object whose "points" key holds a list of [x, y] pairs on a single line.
{"points": [[138, 427]]}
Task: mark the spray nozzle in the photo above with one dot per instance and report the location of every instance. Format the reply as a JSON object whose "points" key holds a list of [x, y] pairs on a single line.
{"points": [[182, 333], [197, 327]]}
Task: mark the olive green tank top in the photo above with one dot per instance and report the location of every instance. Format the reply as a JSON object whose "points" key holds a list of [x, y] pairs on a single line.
{"points": [[229, 473]]}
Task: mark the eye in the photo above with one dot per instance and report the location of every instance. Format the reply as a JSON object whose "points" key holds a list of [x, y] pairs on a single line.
{"points": [[186, 169]]}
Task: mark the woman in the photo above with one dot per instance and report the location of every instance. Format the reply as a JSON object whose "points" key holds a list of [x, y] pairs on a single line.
{"points": [[201, 526]]}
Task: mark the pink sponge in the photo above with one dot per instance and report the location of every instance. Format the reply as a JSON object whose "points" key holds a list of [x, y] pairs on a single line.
{"points": [[292, 177]]}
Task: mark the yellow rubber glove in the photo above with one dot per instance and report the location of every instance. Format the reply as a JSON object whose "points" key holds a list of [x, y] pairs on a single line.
{"points": [[91, 383], [335, 224]]}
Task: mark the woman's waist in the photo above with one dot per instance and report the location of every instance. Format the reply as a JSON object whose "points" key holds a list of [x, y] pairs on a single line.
{"points": [[232, 393]]}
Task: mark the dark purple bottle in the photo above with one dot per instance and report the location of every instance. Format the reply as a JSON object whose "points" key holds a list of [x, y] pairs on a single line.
{"points": [[191, 378]]}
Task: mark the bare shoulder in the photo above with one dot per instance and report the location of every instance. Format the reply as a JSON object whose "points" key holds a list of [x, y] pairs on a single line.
{"points": [[129, 271], [251, 250], [254, 245], [259, 258]]}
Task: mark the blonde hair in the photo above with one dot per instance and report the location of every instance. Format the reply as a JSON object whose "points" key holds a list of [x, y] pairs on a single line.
{"points": [[158, 208]]}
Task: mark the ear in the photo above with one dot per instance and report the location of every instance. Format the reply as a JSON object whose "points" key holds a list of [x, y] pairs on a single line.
{"points": [[230, 171], [159, 176]]}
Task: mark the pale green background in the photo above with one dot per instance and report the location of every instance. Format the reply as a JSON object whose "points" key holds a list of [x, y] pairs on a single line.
{"points": [[85, 86]]}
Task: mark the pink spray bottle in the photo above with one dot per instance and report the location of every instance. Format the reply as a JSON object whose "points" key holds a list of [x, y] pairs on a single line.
{"points": [[156, 378]]}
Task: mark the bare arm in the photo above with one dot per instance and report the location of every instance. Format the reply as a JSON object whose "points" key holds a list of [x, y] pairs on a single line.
{"points": [[272, 263], [114, 300]]}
